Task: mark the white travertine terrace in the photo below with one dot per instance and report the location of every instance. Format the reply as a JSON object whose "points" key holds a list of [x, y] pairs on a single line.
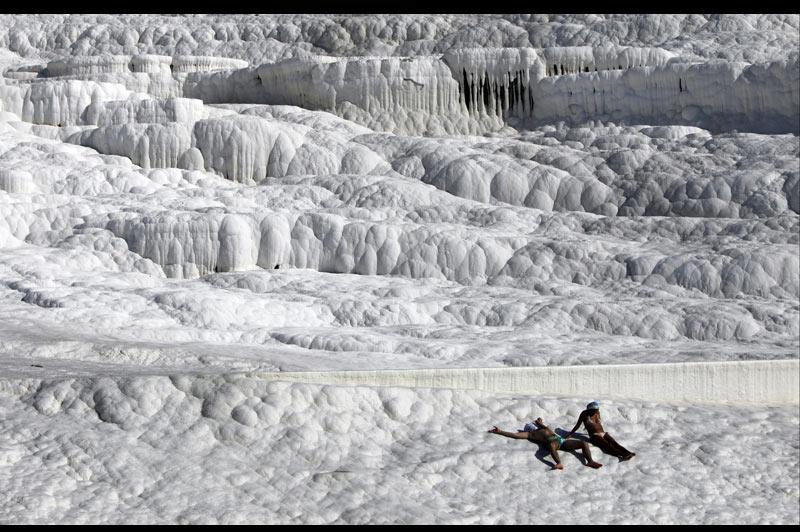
{"points": [[481, 89], [473, 90], [279, 269], [58, 102], [147, 63]]}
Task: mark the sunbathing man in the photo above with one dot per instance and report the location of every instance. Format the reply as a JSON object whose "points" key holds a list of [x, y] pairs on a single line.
{"points": [[597, 436], [538, 432]]}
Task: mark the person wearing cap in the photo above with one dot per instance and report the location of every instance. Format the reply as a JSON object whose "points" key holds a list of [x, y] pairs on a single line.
{"points": [[597, 435], [538, 432]]}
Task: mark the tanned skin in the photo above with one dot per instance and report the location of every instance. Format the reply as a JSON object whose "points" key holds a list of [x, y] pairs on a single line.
{"points": [[599, 437], [540, 436]]}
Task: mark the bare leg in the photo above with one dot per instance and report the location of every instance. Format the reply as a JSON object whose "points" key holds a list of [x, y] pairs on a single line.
{"points": [[588, 454], [553, 447], [577, 444], [624, 453], [605, 446]]}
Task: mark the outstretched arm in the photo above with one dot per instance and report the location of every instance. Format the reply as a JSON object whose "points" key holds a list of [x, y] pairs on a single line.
{"points": [[513, 435], [577, 425]]}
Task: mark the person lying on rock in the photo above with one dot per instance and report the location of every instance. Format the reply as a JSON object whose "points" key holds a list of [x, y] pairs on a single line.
{"points": [[597, 436], [538, 432]]}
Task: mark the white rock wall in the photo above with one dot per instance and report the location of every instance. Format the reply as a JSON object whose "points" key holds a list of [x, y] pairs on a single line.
{"points": [[763, 98], [753, 382], [184, 110], [62, 102]]}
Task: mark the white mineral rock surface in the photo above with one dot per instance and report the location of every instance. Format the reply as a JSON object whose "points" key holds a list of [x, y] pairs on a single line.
{"points": [[190, 205], [229, 450]]}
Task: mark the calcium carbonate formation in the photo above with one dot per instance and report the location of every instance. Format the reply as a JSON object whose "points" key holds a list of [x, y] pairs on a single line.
{"points": [[193, 206]]}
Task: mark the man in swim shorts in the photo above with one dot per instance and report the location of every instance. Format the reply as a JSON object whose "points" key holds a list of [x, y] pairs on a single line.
{"points": [[599, 437], [538, 432]]}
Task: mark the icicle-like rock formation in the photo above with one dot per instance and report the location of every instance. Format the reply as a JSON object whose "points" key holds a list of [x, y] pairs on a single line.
{"points": [[246, 149], [559, 61], [88, 65], [188, 246], [147, 145], [412, 95], [495, 81], [150, 64], [501, 81], [191, 63], [471, 90], [61, 102], [474, 90], [399, 94]]}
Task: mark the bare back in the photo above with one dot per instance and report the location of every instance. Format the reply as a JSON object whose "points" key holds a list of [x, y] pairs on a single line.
{"points": [[540, 435]]}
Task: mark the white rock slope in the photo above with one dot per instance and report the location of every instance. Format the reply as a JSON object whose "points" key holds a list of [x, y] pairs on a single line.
{"points": [[195, 208], [104, 450]]}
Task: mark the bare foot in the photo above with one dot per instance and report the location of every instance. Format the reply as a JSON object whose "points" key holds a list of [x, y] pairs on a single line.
{"points": [[558, 466], [594, 465], [627, 457]]}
